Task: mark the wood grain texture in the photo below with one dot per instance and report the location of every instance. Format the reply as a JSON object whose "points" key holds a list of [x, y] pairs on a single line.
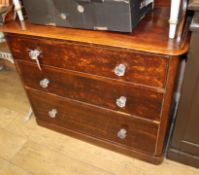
{"points": [[162, 3], [10, 144], [6, 117], [144, 69], [183, 157], [9, 169], [151, 35], [81, 153], [184, 145], [168, 98], [80, 65], [40, 160], [94, 122], [141, 101], [103, 143]]}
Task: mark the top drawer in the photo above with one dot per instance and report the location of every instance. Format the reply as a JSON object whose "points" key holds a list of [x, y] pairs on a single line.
{"points": [[113, 63]]}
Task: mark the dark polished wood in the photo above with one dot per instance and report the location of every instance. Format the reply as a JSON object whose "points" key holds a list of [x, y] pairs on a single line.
{"points": [[172, 73], [141, 101], [151, 35], [184, 145], [93, 121], [162, 3], [103, 143], [83, 88], [145, 69]]}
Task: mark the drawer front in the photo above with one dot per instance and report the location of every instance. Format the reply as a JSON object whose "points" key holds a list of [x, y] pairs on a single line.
{"points": [[102, 124], [113, 63], [113, 95]]}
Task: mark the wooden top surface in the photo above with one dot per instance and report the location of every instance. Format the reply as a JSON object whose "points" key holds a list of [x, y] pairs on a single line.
{"points": [[151, 35], [194, 5]]}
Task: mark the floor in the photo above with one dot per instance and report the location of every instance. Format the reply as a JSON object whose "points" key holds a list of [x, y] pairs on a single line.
{"points": [[27, 149]]}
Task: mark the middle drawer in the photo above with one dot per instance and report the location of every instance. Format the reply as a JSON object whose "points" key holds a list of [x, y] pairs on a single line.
{"points": [[129, 99]]}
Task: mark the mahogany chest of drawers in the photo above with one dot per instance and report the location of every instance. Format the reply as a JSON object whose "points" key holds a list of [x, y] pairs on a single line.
{"points": [[110, 89]]}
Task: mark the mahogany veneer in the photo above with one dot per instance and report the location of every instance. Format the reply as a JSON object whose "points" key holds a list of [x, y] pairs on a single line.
{"points": [[141, 101], [94, 121], [79, 90], [140, 68]]}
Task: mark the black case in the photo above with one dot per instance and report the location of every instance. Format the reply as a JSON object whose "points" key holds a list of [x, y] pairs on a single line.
{"points": [[113, 15]]}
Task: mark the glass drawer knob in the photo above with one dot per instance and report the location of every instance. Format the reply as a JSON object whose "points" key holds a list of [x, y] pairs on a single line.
{"points": [[44, 83], [120, 70], [53, 113], [122, 133], [34, 55], [121, 102]]}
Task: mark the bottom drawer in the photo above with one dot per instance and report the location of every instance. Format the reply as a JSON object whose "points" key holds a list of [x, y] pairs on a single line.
{"points": [[93, 121]]}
